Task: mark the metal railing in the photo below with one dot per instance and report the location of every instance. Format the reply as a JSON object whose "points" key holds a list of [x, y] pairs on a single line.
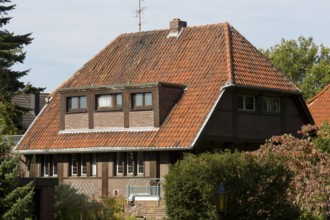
{"points": [[144, 187]]}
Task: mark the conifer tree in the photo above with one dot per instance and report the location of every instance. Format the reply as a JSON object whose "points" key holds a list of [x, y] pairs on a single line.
{"points": [[11, 53], [15, 200]]}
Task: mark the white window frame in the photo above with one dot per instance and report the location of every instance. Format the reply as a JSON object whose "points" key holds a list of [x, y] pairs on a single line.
{"points": [[83, 164], [130, 163], [45, 165], [244, 102], [119, 163], [94, 165], [54, 165], [74, 156], [140, 163]]}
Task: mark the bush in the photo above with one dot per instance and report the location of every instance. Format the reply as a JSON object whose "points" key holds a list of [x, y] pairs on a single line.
{"points": [[72, 205], [257, 190], [310, 188]]}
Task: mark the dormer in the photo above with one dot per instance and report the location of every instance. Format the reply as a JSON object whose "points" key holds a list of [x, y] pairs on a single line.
{"points": [[117, 107]]}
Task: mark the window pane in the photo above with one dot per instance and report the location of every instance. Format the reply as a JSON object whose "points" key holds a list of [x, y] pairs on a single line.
{"points": [[130, 159], [83, 102], [94, 165], [265, 104], [148, 98], [249, 102], [120, 158], [275, 105], [104, 101], [74, 102], [83, 164], [140, 163], [119, 100], [46, 173], [138, 99], [54, 165], [74, 165], [240, 102]]}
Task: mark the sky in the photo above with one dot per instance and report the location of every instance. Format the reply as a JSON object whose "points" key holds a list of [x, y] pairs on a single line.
{"points": [[68, 33]]}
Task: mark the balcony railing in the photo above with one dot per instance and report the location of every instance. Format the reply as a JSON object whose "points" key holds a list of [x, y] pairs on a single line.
{"points": [[144, 189]]}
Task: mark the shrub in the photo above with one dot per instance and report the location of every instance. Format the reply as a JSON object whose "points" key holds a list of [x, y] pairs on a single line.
{"points": [[310, 188], [257, 190]]}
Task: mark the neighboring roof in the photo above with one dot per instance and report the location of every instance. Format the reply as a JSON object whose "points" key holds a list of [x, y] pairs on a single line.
{"points": [[319, 106], [203, 58]]}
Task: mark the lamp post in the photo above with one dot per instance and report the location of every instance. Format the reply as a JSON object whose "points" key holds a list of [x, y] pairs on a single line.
{"points": [[221, 201]]}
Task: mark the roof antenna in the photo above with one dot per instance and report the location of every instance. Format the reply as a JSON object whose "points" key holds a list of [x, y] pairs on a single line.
{"points": [[139, 14]]}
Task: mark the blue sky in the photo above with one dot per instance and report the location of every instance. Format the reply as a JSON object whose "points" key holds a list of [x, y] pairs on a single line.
{"points": [[67, 33]]}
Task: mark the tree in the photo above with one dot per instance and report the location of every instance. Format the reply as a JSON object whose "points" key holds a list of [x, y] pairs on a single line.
{"points": [[15, 201], [303, 62], [11, 53]]}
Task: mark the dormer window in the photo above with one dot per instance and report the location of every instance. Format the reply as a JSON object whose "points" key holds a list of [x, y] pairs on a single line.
{"points": [[271, 104], [76, 103], [109, 101], [142, 100]]}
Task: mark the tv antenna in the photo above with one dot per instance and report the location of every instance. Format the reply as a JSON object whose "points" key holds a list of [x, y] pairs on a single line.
{"points": [[139, 14]]}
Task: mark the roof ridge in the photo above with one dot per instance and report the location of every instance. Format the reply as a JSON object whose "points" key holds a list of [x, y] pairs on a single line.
{"points": [[229, 54], [318, 94]]}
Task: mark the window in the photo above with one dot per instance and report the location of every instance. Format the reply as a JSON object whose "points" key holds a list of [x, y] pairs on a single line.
{"points": [[46, 165], [54, 165], [76, 103], [120, 163], [94, 165], [270, 104], [141, 100], [74, 165], [246, 103], [110, 101], [130, 162], [83, 164], [140, 167]]}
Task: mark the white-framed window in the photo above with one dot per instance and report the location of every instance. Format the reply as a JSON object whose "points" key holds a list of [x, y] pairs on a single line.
{"points": [[83, 164], [120, 163], [246, 102], [142, 100], [46, 165], [54, 165], [109, 101], [130, 163], [140, 163], [94, 170], [271, 104], [74, 165]]}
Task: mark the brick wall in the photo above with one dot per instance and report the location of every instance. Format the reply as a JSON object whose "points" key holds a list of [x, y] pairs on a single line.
{"points": [[152, 210], [141, 119], [76, 121], [108, 119]]}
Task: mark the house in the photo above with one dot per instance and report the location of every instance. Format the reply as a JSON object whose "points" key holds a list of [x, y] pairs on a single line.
{"points": [[319, 106], [115, 125]]}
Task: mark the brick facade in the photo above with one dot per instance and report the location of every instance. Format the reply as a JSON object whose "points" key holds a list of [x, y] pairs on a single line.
{"points": [[141, 119], [108, 119], [76, 121]]}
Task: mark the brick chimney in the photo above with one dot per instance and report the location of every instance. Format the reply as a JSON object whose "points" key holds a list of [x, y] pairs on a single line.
{"points": [[176, 26]]}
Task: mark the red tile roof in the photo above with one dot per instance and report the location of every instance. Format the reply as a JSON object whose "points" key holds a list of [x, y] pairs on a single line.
{"points": [[204, 58], [319, 106]]}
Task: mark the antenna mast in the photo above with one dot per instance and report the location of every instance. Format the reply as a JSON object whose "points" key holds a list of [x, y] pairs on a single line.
{"points": [[139, 15]]}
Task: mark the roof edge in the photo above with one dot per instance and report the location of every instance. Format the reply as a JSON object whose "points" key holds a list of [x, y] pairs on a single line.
{"points": [[100, 149], [309, 101]]}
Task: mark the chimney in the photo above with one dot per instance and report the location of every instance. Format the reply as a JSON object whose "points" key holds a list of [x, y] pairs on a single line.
{"points": [[176, 26]]}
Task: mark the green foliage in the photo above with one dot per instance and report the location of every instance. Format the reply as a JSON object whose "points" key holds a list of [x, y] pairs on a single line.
{"points": [[322, 140], [257, 190], [303, 62], [11, 53], [311, 168], [69, 204], [15, 201]]}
